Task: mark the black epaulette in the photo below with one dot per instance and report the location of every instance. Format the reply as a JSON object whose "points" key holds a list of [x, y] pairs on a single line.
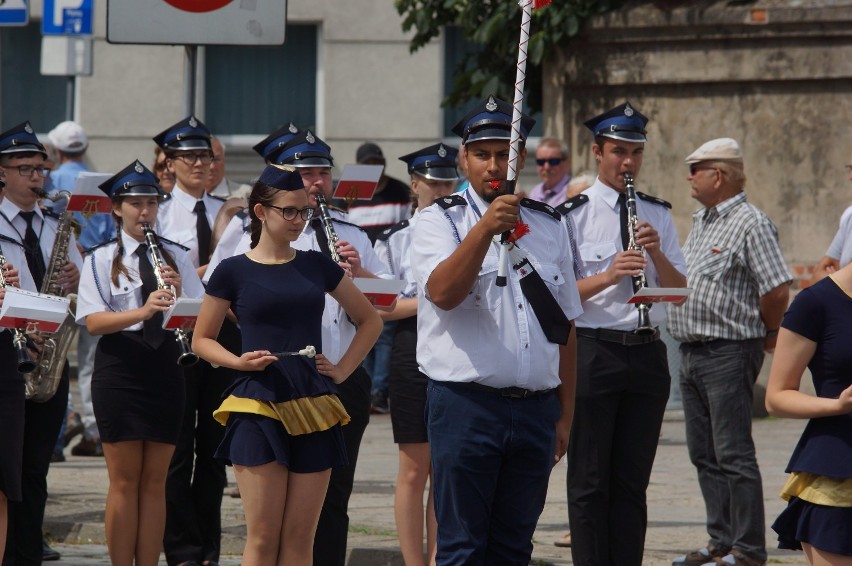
{"points": [[451, 201], [339, 221], [167, 241], [385, 234], [337, 208], [102, 244], [541, 207], [12, 240], [167, 197], [242, 213], [51, 213], [653, 200], [217, 197], [572, 204]]}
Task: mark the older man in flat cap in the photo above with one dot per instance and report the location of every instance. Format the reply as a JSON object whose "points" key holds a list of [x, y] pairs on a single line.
{"points": [[740, 285]]}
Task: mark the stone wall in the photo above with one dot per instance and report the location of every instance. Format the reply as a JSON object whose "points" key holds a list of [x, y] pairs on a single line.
{"points": [[774, 74]]}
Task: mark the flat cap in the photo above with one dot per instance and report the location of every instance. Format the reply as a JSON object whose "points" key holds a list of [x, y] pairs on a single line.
{"points": [[721, 149]]}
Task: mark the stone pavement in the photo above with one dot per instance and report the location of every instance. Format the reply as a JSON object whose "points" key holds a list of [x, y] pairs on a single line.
{"points": [[75, 508]]}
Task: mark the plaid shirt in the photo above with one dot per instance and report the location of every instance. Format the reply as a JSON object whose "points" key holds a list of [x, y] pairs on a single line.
{"points": [[733, 259]]}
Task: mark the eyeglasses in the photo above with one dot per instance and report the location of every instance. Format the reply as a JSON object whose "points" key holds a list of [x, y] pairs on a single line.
{"points": [[694, 168], [28, 170], [290, 213], [553, 161], [192, 158]]}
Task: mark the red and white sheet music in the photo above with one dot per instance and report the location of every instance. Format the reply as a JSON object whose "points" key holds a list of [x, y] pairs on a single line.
{"points": [[182, 315], [32, 312], [380, 292], [86, 197], [676, 295], [358, 182]]}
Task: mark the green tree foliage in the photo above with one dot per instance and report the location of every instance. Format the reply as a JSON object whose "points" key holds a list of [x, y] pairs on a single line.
{"points": [[494, 25]]}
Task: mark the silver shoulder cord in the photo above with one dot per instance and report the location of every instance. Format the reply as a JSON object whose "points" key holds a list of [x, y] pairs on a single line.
{"points": [[98, 284]]}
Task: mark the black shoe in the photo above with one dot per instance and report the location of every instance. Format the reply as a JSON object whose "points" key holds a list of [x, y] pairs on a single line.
{"points": [[74, 428], [88, 447], [57, 456], [48, 554], [379, 404]]}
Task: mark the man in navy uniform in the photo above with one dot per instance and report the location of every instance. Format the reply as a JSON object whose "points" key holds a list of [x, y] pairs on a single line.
{"points": [[622, 375], [501, 360]]}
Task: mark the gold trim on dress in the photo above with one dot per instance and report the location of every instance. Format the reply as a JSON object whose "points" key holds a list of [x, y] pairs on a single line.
{"points": [[820, 490], [299, 416]]}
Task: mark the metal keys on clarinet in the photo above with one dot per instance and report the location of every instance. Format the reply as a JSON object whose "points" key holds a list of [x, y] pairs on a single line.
{"points": [[187, 356], [328, 228], [644, 326]]}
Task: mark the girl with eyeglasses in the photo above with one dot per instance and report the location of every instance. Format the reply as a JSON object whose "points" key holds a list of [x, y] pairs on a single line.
{"points": [[282, 413]]}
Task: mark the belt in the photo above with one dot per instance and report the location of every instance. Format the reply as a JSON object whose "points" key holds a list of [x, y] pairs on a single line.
{"points": [[718, 342], [623, 337], [508, 392]]}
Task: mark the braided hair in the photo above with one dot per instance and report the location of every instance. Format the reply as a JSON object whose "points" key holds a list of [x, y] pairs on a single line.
{"points": [[261, 194]]}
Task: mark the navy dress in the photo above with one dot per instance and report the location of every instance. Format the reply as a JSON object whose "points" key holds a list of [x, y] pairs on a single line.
{"points": [[821, 313], [279, 308]]}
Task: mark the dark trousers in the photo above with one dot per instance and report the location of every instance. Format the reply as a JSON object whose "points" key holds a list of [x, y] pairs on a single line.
{"points": [[492, 458], [621, 397], [717, 384], [333, 527], [195, 482], [41, 428]]}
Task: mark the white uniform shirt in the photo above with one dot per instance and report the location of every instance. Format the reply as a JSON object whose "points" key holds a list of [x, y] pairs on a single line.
{"points": [[13, 254], [841, 246], [15, 227], [176, 219], [492, 337], [229, 241], [393, 251], [337, 331], [596, 225], [97, 292]]}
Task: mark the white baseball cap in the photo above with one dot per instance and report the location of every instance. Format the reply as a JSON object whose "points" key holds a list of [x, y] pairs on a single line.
{"points": [[69, 137]]}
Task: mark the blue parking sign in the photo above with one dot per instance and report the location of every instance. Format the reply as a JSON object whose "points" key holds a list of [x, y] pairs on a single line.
{"points": [[67, 17], [14, 13]]}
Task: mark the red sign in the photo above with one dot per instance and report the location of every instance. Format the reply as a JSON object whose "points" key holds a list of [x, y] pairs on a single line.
{"points": [[29, 325], [198, 6], [181, 322]]}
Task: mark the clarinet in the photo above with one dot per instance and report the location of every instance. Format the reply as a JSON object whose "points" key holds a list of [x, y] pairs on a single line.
{"points": [[187, 356], [328, 228], [26, 363], [644, 326]]}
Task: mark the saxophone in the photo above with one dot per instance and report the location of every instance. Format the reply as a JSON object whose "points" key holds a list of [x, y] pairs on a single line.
{"points": [[187, 357], [42, 382], [644, 326]]}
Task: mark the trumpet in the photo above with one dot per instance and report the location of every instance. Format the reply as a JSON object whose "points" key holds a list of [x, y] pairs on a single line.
{"points": [[328, 227], [187, 356], [644, 326], [26, 363]]}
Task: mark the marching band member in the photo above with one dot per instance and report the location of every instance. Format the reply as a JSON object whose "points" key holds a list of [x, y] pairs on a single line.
{"points": [[22, 158], [196, 480], [500, 360], [433, 175], [137, 386], [622, 376], [283, 417], [11, 385]]}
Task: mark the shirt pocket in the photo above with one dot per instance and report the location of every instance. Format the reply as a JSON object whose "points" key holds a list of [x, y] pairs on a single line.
{"points": [[485, 294], [713, 265], [596, 256], [124, 295], [552, 275]]}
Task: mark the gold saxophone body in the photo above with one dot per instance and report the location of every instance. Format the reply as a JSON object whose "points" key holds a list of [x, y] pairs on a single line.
{"points": [[41, 383], [187, 357]]}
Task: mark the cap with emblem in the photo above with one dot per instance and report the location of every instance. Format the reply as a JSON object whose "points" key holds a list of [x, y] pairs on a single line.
{"points": [[305, 150], [721, 149], [270, 146], [69, 137], [436, 162], [21, 139], [281, 177], [134, 180], [623, 123], [491, 120], [188, 134]]}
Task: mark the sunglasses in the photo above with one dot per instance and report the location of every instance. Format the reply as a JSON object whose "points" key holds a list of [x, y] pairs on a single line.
{"points": [[553, 161], [694, 168]]}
